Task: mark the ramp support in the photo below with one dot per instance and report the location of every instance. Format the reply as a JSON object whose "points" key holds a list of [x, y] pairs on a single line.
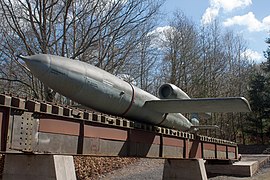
{"points": [[188, 169], [42, 167]]}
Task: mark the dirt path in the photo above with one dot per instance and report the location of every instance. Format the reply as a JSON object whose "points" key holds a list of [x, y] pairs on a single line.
{"points": [[153, 169]]}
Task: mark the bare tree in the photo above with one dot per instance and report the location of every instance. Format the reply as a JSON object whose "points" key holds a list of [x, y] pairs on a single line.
{"points": [[101, 32], [208, 63], [182, 52]]}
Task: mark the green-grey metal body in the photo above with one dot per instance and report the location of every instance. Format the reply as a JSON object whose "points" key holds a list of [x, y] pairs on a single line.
{"points": [[100, 90], [104, 92]]}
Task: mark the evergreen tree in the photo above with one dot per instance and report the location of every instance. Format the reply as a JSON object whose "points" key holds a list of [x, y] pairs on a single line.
{"points": [[259, 94]]}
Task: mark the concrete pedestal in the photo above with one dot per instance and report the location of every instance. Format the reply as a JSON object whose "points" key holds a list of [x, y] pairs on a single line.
{"points": [[239, 169], [42, 167], [188, 169]]}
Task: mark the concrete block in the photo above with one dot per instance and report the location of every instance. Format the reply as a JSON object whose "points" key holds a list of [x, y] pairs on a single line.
{"points": [[240, 169], [64, 167], [188, 169], [42, 167]]}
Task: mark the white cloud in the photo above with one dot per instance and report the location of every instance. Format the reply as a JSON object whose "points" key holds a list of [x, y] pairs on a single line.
{"points": [[227, 5], [266, 22], [160, 30], [159, 35], [209, 15], [250, 21], [253, 56]]}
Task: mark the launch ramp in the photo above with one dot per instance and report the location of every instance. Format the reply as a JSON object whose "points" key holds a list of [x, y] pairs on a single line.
{"points": [[34, 127], [37, 127]]}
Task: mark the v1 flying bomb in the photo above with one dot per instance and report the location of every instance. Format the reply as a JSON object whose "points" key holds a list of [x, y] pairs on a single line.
{"points": [[104, 92]]}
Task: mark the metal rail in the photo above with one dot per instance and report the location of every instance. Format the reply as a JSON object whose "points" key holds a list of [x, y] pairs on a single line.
{"points": [[31, 126]]}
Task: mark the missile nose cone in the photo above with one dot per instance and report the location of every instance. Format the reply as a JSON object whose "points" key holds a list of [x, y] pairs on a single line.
{"points": [[24, 58], [38, 64]]}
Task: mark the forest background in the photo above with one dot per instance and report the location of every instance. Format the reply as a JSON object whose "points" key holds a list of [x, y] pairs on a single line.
{"points": [[121, 37]]}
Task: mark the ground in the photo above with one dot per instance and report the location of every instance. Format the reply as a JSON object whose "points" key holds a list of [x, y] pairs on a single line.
{"points": [[143, 168], [117, 168]]}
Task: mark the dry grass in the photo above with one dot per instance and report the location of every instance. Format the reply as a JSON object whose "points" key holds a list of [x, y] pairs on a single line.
{"points": [[93, 167]]}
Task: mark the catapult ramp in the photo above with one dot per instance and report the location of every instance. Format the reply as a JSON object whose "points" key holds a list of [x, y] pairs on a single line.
{"points": [[33, 128]]}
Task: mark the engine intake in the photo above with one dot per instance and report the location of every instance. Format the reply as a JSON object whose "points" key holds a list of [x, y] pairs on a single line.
{"points": [[170, 91]]}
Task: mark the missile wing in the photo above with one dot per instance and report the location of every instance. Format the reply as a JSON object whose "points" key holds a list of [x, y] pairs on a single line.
{"points": [[198, 105]]}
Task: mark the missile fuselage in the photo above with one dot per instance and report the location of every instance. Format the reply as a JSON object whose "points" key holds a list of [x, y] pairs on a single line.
{"points": [[100, 90]]}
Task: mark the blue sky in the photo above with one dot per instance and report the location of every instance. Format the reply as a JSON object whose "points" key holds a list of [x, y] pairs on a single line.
{"points": [[250, 18]]}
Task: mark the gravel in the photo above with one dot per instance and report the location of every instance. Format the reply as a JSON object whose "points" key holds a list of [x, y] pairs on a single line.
{"points": [[142, 169]]}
